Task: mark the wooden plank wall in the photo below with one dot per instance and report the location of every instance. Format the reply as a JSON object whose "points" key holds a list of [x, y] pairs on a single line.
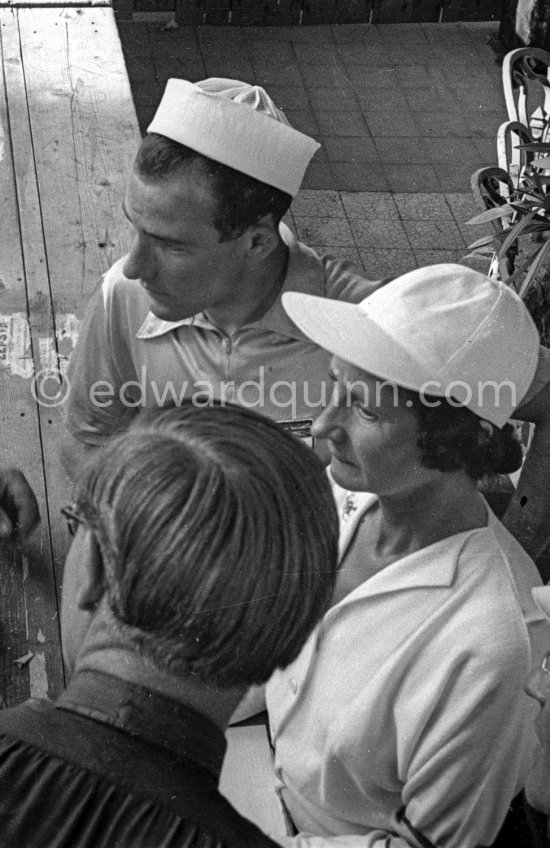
{"points": [[306, 12], [68, 134]]}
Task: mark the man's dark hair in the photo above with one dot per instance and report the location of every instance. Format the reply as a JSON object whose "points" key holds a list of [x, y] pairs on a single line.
{"points": [[453, 438], [241, 200], [219, 539]]}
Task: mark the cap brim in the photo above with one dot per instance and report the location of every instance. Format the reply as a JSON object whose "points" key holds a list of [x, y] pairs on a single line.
{"points": [[347, 332]]}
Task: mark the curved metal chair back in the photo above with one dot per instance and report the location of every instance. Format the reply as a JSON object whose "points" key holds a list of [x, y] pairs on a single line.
{"points": [[511, 158], [526, 82]]}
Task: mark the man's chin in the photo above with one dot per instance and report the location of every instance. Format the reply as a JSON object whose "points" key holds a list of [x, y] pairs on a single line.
{"points": [[166, 312]]}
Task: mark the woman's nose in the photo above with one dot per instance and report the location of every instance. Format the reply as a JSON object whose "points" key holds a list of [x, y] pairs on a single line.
{"points": [[329, 426]]}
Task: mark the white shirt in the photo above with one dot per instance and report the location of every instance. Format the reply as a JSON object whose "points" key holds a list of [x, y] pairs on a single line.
{"points": [[409, 694]]}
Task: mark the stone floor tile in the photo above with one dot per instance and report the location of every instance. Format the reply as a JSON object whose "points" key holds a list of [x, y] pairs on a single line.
{"points": [[290, 96], [341, 123], [487, 149], [349, 148], [325, 98], [423, 207], [368, 176], [369, 205], [462, 206], [408, 33], [266, 72], [369, 77], [319, 176], [442, 124], [326, 230], [276, 51], [384, 232], [471, 234], [365, 54], [294, 34], [232, 69], [454, 177], [315, 54], [434, 235], [404, 151], [318, 34], [483, 124], [303, 120], [222, 35], [389, 101], [318, 204], [356, 33], [379, 263], [409, 55], [426, 98], [404, 178], [475, 96], [399, 124], [414, 75], [331, 73], [435, 257], [453, 150]]}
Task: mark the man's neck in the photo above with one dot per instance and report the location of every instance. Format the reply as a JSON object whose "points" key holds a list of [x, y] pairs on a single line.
{"points": [[105, 649], [258, 291]]}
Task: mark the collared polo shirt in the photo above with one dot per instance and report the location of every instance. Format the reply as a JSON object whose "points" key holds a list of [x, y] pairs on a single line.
{"points": [[127, 359]]}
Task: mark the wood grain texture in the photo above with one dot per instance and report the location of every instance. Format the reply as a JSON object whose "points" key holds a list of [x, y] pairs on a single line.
{"points": [[68, 135]]}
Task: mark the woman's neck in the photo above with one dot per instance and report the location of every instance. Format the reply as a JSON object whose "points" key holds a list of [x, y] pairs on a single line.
{"points": [[410, 522]]}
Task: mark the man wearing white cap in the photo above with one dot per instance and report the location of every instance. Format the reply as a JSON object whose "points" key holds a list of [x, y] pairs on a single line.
{"points": [[194, 310], [404, 720]]}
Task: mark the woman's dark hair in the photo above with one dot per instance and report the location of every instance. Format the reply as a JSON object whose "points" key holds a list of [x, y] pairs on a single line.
{"points": [[241, 200], [219, 540], [453, 438]]}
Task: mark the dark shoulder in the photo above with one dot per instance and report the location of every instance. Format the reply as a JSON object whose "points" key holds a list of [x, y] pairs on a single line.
{"points": [[60, 769]]}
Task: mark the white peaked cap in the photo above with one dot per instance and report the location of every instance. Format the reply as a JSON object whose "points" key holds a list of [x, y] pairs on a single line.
{"points": [[443, 330], [238, 125]]}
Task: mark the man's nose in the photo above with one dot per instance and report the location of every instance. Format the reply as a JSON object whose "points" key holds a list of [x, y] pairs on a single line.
{"points": [[138, 265]]}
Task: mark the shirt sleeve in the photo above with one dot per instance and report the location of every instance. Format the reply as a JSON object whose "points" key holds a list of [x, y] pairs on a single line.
{"points": [[344, 280], [99, 366]]}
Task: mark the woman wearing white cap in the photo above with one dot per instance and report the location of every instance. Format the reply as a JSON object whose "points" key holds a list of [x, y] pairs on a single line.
{"points": [[404, 721]]}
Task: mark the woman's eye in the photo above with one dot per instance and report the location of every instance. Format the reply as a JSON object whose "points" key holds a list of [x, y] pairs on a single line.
{"points": [[364, 412]]}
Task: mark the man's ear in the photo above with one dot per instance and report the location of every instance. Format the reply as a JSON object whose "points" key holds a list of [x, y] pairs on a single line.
{"points": [[262, 238], [92, 587]]}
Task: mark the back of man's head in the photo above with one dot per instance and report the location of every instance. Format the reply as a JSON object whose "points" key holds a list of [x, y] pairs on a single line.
{"points": [[218, 536]]}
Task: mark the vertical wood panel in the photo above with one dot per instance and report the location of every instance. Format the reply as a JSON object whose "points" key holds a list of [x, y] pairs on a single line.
{"points": [[29, 614], [71, 132]]}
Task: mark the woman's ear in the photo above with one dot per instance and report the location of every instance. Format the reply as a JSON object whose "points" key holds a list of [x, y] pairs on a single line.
{"points": [[92, 587]]}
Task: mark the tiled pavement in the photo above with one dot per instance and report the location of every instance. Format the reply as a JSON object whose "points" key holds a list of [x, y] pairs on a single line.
{"points": [[405, 113]]}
